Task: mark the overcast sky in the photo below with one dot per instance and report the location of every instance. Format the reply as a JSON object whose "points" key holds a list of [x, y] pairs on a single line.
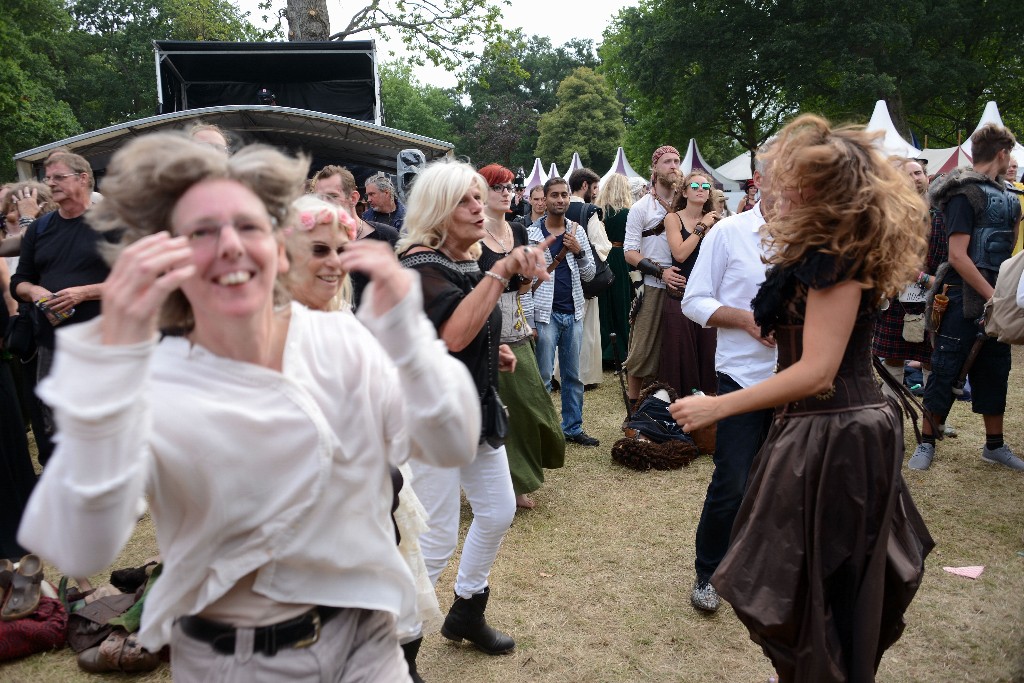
{"points": [[561, 21]]}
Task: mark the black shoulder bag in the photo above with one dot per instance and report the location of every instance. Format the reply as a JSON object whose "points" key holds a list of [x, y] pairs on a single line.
{"points": [[603, 276]]}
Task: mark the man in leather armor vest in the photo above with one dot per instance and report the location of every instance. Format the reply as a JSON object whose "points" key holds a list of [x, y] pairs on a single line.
{"points": [[981, 219]]}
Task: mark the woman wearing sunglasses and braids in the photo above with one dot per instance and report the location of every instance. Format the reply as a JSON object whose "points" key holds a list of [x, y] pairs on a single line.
{"points": [[535, 440], [687, 349]]}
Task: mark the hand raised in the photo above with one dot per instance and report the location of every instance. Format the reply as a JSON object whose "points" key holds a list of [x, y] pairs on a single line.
{"points": [[528, 261], [377, 261], [144, 275]]}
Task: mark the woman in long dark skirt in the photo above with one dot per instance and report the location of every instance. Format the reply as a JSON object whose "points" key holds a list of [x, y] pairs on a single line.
{"points": [[828, 549], [687, 348], [614, 302]]}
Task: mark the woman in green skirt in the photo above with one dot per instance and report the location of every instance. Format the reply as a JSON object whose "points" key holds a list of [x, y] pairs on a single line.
{"points": [[535, 441]]}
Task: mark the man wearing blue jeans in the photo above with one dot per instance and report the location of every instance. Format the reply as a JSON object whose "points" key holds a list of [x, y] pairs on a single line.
{"points": [[557, 305], [727, 275]]}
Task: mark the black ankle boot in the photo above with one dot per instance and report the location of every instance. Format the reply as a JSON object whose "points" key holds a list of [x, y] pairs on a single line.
{"points": [[466, 620], [411, 649]]}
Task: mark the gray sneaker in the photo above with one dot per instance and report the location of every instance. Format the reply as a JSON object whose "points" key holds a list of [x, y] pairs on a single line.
{"points": [[705, 597], [922, 457], [1002, 456]]}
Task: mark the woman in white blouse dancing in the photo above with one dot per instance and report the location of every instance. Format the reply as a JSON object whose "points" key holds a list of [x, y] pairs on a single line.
{"points": [[261, 434]]}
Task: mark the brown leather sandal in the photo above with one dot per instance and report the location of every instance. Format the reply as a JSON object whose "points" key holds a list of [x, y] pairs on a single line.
{"points": [[119, 652], [23, 599]]}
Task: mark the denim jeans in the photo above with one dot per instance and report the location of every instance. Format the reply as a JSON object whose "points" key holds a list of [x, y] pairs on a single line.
{"points": [[488, 487], [565, 333], [738, 440]]}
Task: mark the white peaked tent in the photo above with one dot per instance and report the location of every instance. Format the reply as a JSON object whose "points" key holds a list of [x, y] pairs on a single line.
{"points": [[736, 169], [892, 142], [536, 177], [693, 160], [553, 171], [991, 115], [621, 166], [574, 165]]}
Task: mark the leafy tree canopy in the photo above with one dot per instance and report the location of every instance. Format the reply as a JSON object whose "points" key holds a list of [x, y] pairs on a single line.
{"points": [[507, 89], [88, 64], [587, 120], [411, 106], [733, 71], [441, 32]]}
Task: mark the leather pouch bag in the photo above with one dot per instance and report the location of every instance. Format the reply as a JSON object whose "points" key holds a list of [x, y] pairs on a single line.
{"points": [[913, 327]]}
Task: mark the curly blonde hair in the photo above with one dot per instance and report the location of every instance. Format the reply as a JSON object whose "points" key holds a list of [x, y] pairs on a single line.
{"points": [[852, 204], [147, 177]]}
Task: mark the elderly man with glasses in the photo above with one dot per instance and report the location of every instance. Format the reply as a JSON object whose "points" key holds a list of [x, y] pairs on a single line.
{"points": [[61, 269]]}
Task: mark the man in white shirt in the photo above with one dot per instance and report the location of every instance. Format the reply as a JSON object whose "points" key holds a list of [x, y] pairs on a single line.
{"points": [[727, 275], [646, 248]]}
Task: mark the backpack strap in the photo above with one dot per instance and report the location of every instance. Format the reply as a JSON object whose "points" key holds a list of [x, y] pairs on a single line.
{"points": [[43, 222]]}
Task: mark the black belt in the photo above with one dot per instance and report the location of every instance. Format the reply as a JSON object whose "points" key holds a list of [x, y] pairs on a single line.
{"points": [[302, 631]]}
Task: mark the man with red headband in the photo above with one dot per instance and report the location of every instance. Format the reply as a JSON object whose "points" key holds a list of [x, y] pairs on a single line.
{"points": [[647, 250]]}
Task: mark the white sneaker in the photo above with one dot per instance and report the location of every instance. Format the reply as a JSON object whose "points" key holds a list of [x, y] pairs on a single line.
{"points": [[1002, 456], [922, 457]]}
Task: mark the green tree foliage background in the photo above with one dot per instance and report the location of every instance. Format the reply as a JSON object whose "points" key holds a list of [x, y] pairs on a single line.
{"points": [[726, 72], [71, 67], [587, 120], [413, 107], [730, 72]]}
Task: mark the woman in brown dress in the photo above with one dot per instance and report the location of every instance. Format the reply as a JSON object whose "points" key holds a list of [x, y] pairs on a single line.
{"points": [[828, 549], [687, 349]]}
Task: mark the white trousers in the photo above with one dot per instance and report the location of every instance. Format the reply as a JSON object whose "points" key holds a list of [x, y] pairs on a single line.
{"points": [[488, 487]]}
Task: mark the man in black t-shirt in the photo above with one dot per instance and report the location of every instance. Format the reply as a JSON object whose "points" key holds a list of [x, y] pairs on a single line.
{"points": [[61, 269], [982, 219]]}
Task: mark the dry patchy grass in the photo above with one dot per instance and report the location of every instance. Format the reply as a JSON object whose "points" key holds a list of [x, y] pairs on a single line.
{"points": [[594, 583]]}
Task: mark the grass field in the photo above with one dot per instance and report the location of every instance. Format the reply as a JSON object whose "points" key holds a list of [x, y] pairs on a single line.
{"points": [[594, 583]]}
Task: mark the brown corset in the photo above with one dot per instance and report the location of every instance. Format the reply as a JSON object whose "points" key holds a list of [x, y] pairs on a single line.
{"points": [[855, 385]]}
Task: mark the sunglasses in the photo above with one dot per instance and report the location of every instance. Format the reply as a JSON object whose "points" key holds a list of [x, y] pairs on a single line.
{"points": [[700, 186], [507, 187]]}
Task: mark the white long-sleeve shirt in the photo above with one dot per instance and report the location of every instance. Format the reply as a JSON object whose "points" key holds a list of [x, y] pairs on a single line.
{"points": [[285, 474], [645, 214], [728, 272]]}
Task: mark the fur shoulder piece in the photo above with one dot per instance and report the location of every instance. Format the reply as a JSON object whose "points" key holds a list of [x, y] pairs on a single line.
{"points": [[963, 181]]}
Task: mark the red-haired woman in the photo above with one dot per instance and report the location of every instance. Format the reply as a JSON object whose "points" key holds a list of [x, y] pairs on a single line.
{"points": [[535, 440]]}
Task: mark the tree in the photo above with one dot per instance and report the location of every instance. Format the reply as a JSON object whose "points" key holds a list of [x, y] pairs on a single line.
{"points": [[708, 70], [110, 51], [408, 105], [528, 68], [512, 83], [438, 31], [30, 113], [587, 120], [736, 69], [503, 126]]}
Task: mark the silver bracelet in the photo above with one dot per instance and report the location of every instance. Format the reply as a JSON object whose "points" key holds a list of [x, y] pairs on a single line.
{"points": [[503, 280]]}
